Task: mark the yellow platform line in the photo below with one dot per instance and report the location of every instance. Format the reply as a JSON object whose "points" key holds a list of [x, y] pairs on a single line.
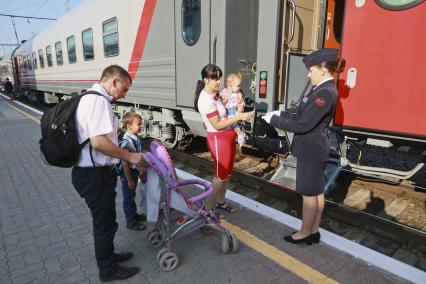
{"points": [[288, 262], [24, 113]]}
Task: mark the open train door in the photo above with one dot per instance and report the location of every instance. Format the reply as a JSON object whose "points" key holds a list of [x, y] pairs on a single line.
{"points": [[382, 87], [192, 26]]}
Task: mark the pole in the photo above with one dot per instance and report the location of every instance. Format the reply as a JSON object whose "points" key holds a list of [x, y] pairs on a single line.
{"points": [[14, 28]]}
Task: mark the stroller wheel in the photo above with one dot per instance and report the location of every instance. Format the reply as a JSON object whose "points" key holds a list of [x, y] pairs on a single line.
{"points": [[168, 261], [229, 243], [234, 242], [225, 243], [154, 239], [160, 253]]}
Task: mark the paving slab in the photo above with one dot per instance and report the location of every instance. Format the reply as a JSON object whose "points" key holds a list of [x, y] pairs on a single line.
{"points": [[46, 233]]}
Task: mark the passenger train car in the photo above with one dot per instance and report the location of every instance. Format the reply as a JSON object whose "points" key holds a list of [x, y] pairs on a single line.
{"points": [[164, 44]]}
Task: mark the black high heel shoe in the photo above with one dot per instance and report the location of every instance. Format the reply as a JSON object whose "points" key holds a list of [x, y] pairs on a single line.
{"points": [[315, 237], [290, 239]]}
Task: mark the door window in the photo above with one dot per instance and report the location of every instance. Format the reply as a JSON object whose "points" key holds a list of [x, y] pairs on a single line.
{"points": [[398, 4], [191, 21]]}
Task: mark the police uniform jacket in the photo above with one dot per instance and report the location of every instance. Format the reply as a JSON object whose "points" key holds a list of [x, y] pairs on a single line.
{"points": [[310, 123]]}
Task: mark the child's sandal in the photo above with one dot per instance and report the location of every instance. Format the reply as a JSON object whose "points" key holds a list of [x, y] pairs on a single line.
{"points": [[226, 207]]}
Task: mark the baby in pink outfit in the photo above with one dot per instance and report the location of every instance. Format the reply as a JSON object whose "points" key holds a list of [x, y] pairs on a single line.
{"points": [[234, 104]]}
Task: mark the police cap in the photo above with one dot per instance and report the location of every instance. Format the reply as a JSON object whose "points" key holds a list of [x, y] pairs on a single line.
{"points": [[320, 55]]}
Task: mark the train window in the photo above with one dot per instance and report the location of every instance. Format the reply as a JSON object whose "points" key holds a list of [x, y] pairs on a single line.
{"points": [[58, 52], [398, 4], [35, 60], [191, 21], [110, 35], [40, 57], [87, 38], [30, 62], [49, 56], [24, 63], [72, 56]]}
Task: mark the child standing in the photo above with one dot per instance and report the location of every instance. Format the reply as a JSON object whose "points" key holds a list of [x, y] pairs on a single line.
{"points": [[129, 178], [234, 104]]}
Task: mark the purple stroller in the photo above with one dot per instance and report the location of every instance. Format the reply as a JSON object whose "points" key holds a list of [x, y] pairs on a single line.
{"points": [[164, 193]]}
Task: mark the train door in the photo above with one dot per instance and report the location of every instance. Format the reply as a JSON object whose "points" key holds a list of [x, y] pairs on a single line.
{"points": [[301, 33], [382, 88], [192, 25], [334, 24]]}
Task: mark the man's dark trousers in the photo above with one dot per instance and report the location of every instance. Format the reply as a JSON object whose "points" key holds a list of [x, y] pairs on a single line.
{"points": [[97, 187]]}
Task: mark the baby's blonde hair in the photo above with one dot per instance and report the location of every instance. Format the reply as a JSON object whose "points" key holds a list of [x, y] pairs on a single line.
{"points": [[232, 78]]}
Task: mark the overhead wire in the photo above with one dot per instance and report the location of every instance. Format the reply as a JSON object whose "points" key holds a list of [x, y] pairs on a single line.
{"points": [[21, 8]]}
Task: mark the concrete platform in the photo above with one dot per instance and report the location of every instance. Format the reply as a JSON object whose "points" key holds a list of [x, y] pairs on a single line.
{"points": [[46, 233]]}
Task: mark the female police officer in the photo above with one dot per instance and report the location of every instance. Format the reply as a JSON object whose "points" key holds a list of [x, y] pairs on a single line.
{"points": [[310, 144]]}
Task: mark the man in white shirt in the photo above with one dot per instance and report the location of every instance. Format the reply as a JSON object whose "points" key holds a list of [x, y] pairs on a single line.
{"points": [[94, 177]]}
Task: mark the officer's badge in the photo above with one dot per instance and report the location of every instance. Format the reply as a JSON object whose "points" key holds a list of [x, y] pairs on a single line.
{"points": [[320, 101]]}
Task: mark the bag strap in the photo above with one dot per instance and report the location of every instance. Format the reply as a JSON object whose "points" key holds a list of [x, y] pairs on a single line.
{"points": [[133, 141], [134, 144]]}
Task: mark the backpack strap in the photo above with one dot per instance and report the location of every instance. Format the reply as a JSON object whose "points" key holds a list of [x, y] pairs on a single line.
{"points": [[131, 139], [134, 144]]}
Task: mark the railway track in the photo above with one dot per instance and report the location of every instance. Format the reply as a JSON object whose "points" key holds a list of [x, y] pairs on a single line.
{"points": [[365, 222]]}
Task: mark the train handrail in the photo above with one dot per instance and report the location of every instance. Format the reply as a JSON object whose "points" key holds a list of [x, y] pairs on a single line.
{"points": [[293, 21]]}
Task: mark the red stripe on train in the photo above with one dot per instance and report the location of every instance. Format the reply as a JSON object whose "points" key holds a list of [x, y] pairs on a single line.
{"points": [[142, 35]]}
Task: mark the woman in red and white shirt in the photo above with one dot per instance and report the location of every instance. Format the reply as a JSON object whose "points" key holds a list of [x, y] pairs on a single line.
{"points": [[220, 135]]}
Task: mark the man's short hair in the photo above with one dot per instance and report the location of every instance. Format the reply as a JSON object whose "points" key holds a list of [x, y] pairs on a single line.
{"points": [[115, 70]]}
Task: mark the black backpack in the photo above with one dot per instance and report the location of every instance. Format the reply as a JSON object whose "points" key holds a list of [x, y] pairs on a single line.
{"points": [[59, 142]]}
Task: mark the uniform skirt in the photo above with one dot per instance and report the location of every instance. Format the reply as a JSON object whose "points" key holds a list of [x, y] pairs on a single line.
{"points": [[310, 178], [222, 148]]}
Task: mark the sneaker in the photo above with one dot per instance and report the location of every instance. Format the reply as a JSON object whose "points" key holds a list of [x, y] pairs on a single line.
{"points": [[136, 225], [121, 273]]}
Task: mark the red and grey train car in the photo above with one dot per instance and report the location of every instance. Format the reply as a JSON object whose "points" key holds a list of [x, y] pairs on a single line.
{"points": [[164, 44]]}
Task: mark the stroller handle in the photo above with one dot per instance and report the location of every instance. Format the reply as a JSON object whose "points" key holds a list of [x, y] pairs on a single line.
{"points": [[208, 189]]}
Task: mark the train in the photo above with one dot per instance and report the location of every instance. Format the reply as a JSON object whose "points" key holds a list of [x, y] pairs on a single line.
{"points": [[164, 44]]}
